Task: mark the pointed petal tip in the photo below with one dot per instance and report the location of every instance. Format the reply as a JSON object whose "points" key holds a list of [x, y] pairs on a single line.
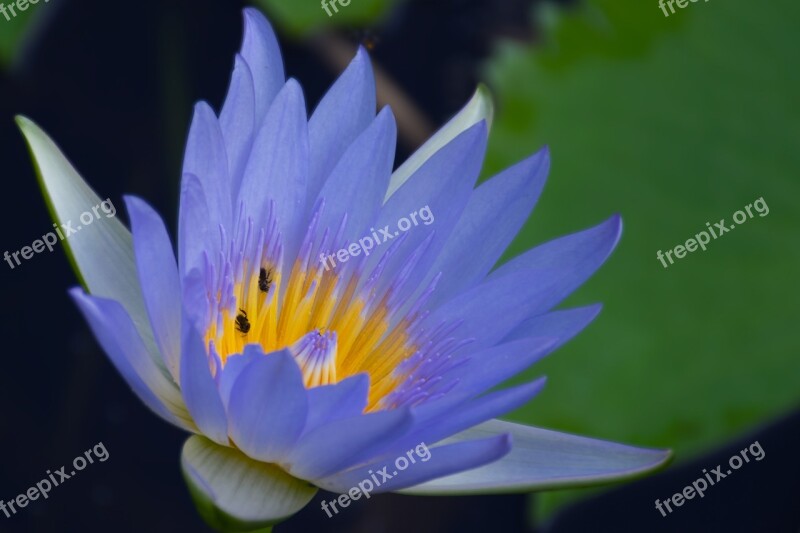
{"points": [[386, 114], [476, 135], [30, 130], [615, 222], [483, 103], [544, 151], [594, 310], [23, 121], [252, 15], [134, 202], [201, 107], [479, 109], [77, 293], [545, 460], [294, 92], [609, 231], [362, 65], [361, 54]]}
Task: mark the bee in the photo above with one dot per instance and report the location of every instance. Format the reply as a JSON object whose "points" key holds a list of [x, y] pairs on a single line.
{"points": [[264, 279], [242, 323]]}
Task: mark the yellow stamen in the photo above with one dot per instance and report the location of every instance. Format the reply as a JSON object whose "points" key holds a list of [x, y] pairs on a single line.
{"points": [[331, 337]]}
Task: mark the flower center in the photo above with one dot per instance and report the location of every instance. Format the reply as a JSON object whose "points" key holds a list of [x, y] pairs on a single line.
{"points": [[337, 324], [316, 355]]}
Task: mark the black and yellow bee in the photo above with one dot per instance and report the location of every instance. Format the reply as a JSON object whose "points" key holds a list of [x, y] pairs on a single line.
{"points": [[242, 323], [264, 280]]}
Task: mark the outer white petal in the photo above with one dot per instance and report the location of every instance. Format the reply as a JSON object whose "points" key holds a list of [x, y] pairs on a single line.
{"points": [[480, 107], [543, 459], [235, 493], [102, 253]]}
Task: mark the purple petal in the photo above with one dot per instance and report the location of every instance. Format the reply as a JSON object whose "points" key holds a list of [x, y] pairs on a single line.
{"points": [[529, 284], [543, 459], [158, 276], [268, 407], [194, 228], [533, 340], [261, 52], [562, 324], [233, 368], [199, 389], [238, 122], [358, 182], [442, 419], [343, 113], [196, 305], [442, 461], [443, 184], [344, 399], [119, 339], [342, 443], [492, 366], [579, 254], [474, 412], [207, 159], [278, 169], [492, 218]]}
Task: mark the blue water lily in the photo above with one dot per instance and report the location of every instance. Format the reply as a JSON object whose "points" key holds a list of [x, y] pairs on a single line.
{"points": [[296, 373]]}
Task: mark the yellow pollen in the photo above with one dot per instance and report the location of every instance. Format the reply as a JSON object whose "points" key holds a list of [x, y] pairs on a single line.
{"points": [[345, 339]]}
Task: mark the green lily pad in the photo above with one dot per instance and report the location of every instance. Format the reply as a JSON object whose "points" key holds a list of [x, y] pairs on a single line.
{"points": [[674, 122], [14, 26], [302, 17]]}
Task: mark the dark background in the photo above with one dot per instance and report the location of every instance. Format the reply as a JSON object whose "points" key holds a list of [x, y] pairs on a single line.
{"points": [[117, 96]]}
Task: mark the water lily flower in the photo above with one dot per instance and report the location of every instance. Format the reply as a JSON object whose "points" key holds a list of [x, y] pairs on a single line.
{"points": [[292, 375]]}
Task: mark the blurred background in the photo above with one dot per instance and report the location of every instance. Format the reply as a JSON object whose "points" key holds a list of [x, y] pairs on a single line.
{"points": [[671, 121]]}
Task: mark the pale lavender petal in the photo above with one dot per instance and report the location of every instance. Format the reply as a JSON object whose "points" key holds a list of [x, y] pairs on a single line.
{"points": [[542, 459], [119, 339], [158, 276], [268, 407], [443, 461], [343, 113], [200, 390]]}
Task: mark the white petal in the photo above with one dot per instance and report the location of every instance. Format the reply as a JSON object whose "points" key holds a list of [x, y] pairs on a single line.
{"points": [[480, 107], [100, 253], [235, 493], [542, 459]]}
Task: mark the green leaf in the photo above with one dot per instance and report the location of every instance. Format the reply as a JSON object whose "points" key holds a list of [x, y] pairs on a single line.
{"points": [[674, 122], [541, 459], [302, 17], [14, 30], [234, 493]]}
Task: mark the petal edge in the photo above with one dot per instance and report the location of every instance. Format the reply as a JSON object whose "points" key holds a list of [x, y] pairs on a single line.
{"points": [[560, 460], [234, 493]]}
